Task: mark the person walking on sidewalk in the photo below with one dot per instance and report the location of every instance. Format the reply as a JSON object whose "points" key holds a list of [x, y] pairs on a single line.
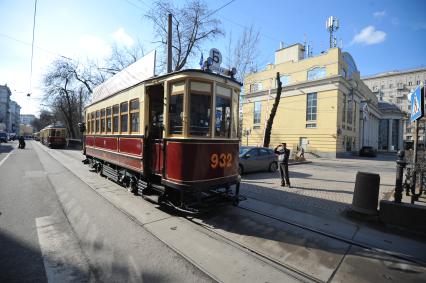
{"points": [[283, 154]]}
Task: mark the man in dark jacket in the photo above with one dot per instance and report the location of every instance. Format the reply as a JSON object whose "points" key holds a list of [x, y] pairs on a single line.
{"points": [[283, 154]]}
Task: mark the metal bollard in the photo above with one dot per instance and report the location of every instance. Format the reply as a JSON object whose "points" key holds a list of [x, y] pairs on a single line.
{"points": [[366, 193], [400, 165]]}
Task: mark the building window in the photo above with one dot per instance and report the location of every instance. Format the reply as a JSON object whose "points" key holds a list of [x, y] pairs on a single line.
{"points": [[344, 109], [418, 82], [108, 120], [382, 86], [256, 112], [343, 72], [316, 73], [115, 111], [124, 107], [311, 125], [311, 107], [350, 112], [284, 79], [256, 87], [390, 85], [410, 83], [400, 100]]}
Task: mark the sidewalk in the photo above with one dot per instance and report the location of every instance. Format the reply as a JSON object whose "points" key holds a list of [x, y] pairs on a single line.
{"points": [[321, 203]]}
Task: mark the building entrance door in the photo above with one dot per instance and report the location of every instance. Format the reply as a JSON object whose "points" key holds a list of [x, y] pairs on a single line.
{"points": [[303, 143]]}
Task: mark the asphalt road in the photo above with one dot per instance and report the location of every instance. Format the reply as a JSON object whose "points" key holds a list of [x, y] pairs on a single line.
{"points": [[53, 227]]}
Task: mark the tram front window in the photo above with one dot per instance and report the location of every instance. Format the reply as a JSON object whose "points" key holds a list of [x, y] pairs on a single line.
{"points": [[200, 111], [223, 112], [176, 114]]}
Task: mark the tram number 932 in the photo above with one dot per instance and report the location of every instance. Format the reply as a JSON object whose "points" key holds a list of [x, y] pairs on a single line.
{"points": [[220, 160]]}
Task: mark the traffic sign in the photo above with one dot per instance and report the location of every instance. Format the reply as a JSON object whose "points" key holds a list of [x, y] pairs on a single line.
{"points": [[416, 104]]}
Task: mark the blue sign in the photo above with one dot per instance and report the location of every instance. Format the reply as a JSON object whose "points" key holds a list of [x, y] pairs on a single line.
{"points": [[416, 105]]}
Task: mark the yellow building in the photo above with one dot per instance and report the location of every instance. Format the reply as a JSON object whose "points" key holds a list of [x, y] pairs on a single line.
{"points": [[325, 107]]}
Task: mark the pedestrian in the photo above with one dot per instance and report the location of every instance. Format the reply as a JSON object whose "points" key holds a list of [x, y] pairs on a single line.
{"points": [[283, 154]]}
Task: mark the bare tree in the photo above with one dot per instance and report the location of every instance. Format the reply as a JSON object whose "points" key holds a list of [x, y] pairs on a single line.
{"points": [[192, 25], [243, 55], [268, 129], [67, 88], [121, 57]]}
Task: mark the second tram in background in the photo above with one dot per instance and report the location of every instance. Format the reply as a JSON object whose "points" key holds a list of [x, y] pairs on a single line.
{"points": [[173, 138], [53, 136]]}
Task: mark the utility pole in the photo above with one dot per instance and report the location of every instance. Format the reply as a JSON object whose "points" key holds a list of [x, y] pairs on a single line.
{"points": [[169, 44]]}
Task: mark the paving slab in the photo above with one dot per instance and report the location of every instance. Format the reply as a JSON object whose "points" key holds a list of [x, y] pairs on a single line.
{"points": [[361, 265]]}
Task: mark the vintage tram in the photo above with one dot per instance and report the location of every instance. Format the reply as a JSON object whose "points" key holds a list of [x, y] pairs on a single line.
{"points": [[173, 139], [53, 136]]}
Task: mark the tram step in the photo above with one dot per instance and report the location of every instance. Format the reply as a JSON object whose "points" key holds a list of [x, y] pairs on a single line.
{"points": [[152, 198], [110, 173]]}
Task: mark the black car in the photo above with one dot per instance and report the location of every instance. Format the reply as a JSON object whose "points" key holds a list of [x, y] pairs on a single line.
{"points": [[3, 137], [367, 151]]}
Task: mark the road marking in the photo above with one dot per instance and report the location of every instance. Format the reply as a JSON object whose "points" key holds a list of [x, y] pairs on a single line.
{"points": [[63, 258], [4, 159]]}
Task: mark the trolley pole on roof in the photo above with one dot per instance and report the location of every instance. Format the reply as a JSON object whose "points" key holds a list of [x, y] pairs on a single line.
{"points": [[169, 45]]}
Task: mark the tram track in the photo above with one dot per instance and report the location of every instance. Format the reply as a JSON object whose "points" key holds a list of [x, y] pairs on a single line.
{"points": [[289, 270]]}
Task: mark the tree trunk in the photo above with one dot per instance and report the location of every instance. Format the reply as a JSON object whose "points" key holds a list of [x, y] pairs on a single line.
{"points": [[267, 137]]}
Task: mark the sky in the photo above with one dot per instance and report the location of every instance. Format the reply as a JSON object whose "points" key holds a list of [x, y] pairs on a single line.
{"points": [[381, 35]]}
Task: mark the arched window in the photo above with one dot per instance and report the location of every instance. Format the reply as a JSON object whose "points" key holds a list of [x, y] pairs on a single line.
{"points": [[316, 73]]}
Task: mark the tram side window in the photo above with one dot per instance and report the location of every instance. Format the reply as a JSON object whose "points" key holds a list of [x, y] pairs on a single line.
{"points": [[93, 122], [88, 122], [108, 120], [200, 109], [115, 109], [235, 114], [176, 108], [103, 120], [124, 116], [98, 114], [134, 116], [223, 112]]}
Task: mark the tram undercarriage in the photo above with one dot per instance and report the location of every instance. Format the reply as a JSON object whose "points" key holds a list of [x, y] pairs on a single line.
{"points": [[190, 200]]}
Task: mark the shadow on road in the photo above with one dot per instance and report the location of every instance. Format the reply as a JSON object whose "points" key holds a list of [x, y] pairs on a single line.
{"points": [[6, 148]]}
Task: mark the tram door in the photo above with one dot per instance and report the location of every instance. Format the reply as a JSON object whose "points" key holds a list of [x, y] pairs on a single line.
{"points": [[155, 128]]}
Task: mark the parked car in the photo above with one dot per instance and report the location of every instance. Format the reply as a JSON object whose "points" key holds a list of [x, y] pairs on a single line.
{"points": [[257, 159], [367, 151], [3, 137]]}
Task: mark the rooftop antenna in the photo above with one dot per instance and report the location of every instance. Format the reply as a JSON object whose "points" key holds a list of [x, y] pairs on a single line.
{"points": [[332, 25], [305, 46]]}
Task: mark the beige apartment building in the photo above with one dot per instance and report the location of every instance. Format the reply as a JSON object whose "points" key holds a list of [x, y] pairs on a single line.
{"points": [[394, 87], [325, 107]]}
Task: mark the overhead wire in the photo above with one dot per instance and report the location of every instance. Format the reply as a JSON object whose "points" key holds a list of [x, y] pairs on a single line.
{"points": [[32, 47]]}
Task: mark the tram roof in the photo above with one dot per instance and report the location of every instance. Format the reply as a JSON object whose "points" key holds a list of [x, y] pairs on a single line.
{"points": [[167, 75], [54, 126]]}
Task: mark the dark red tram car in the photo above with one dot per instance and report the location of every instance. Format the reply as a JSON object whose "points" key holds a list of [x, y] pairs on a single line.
{"points": [[173, 138]]}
